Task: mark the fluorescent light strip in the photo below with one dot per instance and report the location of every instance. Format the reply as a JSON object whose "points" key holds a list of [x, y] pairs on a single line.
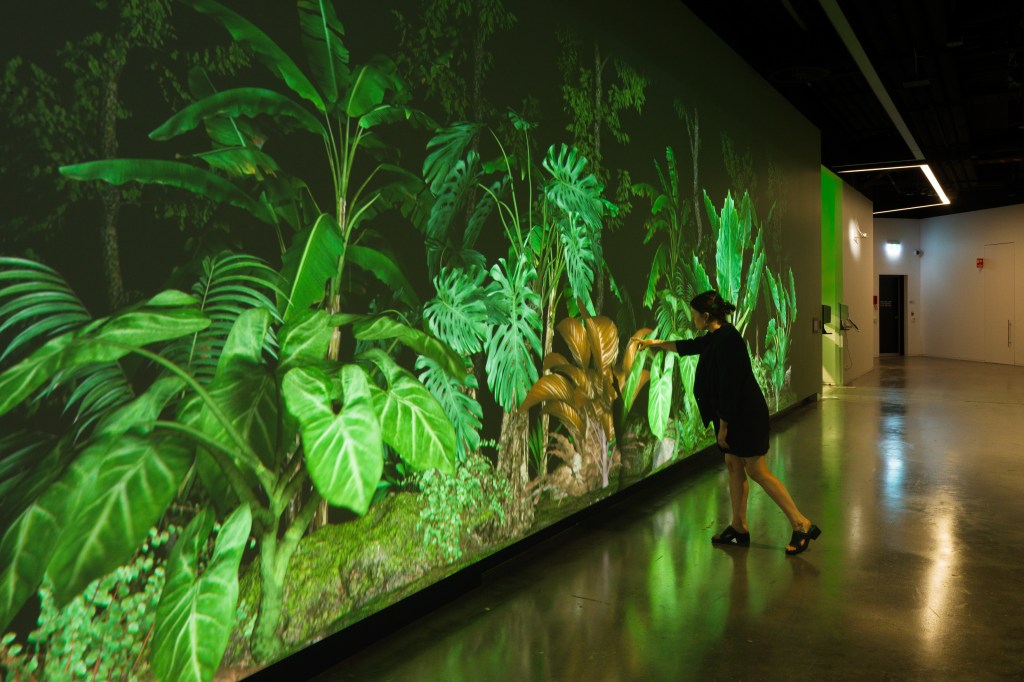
{"points": [[925, 168]]}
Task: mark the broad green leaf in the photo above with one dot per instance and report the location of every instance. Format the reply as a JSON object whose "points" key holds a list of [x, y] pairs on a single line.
{"points": [[102, 341], [384, 268], [196, 613], [305, 339], [659, 406], [381, 328], [633, 382], [514, 342], [172, 173], [344, 451], [240, 162], [245, 390], [369, 85], [389, 113], [268, 52], [412, 421], [249, 102], [310, 263], [326, 54], [134, 479], [28, 545]]}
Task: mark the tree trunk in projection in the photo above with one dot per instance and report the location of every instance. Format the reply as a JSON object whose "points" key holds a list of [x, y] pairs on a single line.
{"points": [[596, 167], [513, 458], [111, 198]]}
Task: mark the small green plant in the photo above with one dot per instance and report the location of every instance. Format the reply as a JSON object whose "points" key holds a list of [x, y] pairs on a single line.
{"points": [[458, 505], [100, 634]]}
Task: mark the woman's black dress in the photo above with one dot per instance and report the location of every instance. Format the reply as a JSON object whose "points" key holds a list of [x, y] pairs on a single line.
{"points": [[725, 388]]}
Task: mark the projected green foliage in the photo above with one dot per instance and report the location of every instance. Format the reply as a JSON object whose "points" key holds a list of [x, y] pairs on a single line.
{"points": [[255, 399]]}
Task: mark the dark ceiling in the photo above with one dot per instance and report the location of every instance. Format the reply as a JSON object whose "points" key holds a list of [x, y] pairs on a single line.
{"points": [[954, 69]]}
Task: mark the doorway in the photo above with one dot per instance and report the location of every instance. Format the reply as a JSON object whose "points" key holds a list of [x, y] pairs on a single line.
{"points": [[890, 314], [999, 303]]}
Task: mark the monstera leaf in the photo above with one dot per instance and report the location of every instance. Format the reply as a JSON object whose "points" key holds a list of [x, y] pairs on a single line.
{"points": [[514, 341], [444, 150], [571, 188], [459, 315]]}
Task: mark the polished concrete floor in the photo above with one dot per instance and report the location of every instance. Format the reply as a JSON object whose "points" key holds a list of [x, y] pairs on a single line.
{"points": [[915, 473]]}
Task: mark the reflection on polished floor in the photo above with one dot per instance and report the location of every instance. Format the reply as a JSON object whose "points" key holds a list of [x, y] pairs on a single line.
{"points": [[915, 473]]}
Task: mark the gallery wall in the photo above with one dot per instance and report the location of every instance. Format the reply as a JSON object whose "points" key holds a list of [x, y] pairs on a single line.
{"points": [[953, 287], [858, 263], [346, 300]]}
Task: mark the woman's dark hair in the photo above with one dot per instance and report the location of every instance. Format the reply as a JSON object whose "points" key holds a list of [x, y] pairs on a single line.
{"points": [[713, 304]]}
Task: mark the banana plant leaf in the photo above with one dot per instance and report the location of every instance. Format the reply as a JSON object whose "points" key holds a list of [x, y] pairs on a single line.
{"points": [[344, 451], [250, 102], [172, 173], [196, 613], [326, 54], [392, 113], [384, 268], [311, 262], [370, 83], [265, 49], [240, 162]]}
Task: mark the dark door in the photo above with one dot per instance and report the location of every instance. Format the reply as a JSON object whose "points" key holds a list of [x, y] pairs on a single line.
{"points": [[890, 314]]}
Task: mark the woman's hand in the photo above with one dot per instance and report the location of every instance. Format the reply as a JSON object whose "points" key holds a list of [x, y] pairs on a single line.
{"points": [[655, 344], [723, 434]]}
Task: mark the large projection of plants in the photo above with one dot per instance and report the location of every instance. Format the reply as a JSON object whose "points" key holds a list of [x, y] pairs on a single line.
{"points": [[307, 305]]}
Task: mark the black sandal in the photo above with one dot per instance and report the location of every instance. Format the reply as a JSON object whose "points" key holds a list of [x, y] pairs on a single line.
{"points": [[731, 536], [801, 541]]}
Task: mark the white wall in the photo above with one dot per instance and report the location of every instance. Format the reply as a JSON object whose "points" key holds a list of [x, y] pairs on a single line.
{"points": [[907, 263], [858, 349], [953, 290]]}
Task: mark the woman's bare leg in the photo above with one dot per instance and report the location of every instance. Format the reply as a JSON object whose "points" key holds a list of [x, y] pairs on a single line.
{"points": [[737, 491], [756, 468]]}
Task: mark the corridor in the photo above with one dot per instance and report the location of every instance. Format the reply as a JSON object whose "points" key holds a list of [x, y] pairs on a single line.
{"points": [[915, 473]]}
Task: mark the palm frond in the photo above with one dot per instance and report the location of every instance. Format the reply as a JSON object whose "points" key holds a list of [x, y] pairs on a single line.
{"points": [[230, 284], [36, 305]]}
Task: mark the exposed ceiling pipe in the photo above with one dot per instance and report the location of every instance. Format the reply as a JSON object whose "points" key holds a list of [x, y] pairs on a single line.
{"points": [[849, 38]]}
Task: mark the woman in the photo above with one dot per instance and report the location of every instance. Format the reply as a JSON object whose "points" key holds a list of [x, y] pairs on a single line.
{"points": [[728, 396]]}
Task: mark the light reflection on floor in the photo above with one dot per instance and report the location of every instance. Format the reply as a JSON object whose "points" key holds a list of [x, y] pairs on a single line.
{"points": [[915, 474]]}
